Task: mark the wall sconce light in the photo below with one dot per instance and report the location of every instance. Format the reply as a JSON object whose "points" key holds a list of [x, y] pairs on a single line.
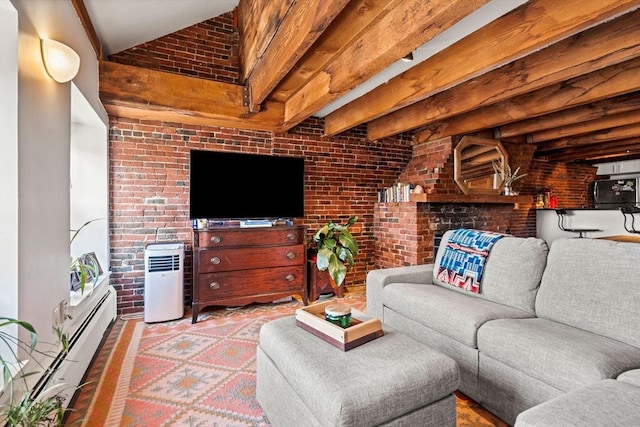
{"points": [[61, 62]]}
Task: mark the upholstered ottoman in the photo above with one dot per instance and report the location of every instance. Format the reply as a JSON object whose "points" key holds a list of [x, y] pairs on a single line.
{"points": [[392, 380]]}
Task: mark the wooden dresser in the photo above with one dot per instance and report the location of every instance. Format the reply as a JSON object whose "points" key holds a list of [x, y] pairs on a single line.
{"points": [[235, 266]]}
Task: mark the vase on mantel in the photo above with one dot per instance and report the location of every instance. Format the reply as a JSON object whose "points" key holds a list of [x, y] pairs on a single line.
{"points": [[507, 191]]}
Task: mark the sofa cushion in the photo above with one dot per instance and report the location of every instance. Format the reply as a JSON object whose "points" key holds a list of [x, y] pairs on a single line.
{"points": [[378, 279], [594, 285], [512, 271], [456, 315], [631, 377], [606, 403], [559, 355]]}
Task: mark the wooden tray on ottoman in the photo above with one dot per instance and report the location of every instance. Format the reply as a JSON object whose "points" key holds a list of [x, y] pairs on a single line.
{"points": [[362, 330]]}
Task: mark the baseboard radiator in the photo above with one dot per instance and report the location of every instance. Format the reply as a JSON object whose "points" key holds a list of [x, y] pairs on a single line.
{"points": [[69, 368]]}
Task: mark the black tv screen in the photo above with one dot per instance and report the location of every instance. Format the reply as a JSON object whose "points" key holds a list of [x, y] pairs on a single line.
{"points": [[245, 186]]}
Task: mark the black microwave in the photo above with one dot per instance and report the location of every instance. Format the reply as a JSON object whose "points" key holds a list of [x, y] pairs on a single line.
{"points": [[616, 193]]}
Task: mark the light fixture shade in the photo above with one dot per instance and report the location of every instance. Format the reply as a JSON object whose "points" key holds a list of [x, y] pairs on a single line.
{"points": [[61, 62]]}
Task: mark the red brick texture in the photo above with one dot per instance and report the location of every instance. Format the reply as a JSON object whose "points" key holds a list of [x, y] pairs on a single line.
{"points": [[149, 187], [208, 50], [405, 232], [149, 174]]}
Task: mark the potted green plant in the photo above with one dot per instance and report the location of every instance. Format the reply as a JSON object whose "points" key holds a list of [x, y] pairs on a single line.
{"points": [[336, 249], [27, 409], [82, 272]]}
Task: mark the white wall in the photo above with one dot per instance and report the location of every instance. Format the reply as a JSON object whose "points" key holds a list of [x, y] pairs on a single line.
{"points": [[609, 221], [44, 134], [89, 180], [8, 166]]}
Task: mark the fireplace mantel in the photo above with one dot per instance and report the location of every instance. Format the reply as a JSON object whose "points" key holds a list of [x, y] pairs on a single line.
{"points": [[470, 198]]}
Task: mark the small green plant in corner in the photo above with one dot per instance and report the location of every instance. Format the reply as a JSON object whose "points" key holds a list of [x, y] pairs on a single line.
{"points": [[27, 409], [336, 249]]}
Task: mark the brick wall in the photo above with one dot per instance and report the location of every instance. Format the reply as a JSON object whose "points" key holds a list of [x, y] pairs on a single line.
{"points": [[405, 232], [208, 50], [149, 187], [432, 167]]}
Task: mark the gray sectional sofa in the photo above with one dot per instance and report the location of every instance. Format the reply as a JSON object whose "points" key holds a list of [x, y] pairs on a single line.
{"points": [[547, 321]]}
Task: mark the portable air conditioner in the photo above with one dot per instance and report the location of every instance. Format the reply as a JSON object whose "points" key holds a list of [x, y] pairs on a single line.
{"points": [[163, 282]]}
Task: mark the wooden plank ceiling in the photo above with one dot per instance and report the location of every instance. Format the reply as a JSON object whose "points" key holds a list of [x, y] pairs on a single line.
{"points": [[563, 75]]}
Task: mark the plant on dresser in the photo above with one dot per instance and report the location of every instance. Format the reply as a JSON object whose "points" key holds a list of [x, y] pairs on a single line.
{"points": [[235, 266]]}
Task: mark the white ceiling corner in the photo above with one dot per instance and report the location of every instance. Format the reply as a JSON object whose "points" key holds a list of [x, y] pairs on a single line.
{"points": [[123, 24]]}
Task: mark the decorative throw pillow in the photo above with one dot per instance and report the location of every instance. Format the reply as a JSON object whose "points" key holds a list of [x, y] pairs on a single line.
{"points": [[464, 257]]}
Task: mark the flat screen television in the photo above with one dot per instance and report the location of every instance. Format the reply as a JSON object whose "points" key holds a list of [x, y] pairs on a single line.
{"points": [[229, 186]]}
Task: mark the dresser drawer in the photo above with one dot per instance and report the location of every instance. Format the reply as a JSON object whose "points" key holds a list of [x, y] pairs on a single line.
{"points": [[267, 236], [236, 266], [236, 284], [211, 260]]}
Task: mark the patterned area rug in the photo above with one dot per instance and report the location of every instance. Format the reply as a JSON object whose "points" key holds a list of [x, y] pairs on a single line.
{"points": [[180, 374]]}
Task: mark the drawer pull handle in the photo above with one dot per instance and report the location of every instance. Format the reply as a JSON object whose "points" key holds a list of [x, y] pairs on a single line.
{"points": [[215, 239], [214, 285], [290, 277], [215, 260], [291, 236], [291, 255]]}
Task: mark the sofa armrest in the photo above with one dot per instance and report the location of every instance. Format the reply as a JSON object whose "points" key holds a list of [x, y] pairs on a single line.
{"points": [[378, 279]]}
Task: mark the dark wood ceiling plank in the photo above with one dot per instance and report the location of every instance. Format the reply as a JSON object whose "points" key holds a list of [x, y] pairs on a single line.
{"points": [[400, 31], [603, 151], [354, 19], [607, 82], [596, 110], [129, 88], [605, 45], [302, 25], [613, 134], [528, 28], [608, 122]]}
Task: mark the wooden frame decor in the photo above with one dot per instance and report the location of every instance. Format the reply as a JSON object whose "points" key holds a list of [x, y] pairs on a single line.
{"points": [[88, 265], [75, 280], [90, 260], [474, 158]]}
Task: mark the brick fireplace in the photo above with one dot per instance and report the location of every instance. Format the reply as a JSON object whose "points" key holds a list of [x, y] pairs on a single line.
{"points": [[404, 233]]}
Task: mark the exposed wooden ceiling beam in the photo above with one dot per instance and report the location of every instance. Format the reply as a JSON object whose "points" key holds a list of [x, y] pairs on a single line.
{"points": [[605, 45], [85, 20], [613, 134], [355, 18], [606, 107], [382, 43], [302, 25], [528, 28], [604, 151], [609, 122], [611, 81], [257, 22], [140, 92]]}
